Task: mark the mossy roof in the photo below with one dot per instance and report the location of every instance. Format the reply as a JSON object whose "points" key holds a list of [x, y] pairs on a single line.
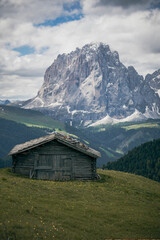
{"points": [[64, 139]]}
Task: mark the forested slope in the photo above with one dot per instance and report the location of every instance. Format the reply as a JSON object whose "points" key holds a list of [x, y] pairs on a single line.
{"points": [[143, 160], [12, 133]]}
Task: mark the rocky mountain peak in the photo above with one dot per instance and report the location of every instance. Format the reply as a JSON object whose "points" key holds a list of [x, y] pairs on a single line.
{"points": [[91, 83], [154, 81]]}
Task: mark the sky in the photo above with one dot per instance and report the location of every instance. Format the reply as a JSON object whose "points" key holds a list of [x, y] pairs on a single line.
{"points": [[34, 32]]}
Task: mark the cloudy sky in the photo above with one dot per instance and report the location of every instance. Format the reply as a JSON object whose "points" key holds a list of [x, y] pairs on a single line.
{"points": [[34, 32]]}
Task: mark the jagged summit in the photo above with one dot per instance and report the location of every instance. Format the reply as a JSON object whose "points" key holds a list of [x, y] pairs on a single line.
{"points": [[91, 83], [94, 46], [154, 81]]}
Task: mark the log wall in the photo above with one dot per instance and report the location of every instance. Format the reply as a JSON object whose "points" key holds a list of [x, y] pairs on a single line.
{"points": [[55, 161]]}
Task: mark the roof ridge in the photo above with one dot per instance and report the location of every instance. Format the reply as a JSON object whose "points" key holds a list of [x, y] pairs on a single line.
{"points": [[65, 139]]}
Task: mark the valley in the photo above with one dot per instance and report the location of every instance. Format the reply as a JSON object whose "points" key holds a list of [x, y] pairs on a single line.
{"points": [[113, 141]]}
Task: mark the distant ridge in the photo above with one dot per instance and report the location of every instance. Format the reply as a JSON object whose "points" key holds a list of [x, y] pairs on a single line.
{"points": [[4, 102]]}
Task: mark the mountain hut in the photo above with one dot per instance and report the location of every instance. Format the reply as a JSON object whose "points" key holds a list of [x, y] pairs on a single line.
{"points": [[55, 157]]}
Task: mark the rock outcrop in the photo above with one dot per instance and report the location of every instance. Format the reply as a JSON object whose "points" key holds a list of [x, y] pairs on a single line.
{"points": [[91, 83]]}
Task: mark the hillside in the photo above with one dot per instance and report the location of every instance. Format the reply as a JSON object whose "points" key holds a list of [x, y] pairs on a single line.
{"points": [[143, 160], [12, 133], [19, 125], [120, 205], [113, 141], [30, 118]]}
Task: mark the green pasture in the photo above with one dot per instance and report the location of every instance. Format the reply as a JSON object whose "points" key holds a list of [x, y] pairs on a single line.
{"points": [[30, 118], [142, 125], [119, 205]]}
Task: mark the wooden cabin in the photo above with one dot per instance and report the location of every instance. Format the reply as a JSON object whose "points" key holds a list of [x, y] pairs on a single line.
{"points": [[55, 157]]}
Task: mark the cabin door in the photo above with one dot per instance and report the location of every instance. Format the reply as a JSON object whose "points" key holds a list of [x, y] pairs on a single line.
{"points": [[62, 167], [43, 166], [65, 165], [53, 167]]}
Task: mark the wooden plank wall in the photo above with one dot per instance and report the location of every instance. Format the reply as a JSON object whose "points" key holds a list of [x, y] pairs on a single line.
{"points": [[55, 161]]}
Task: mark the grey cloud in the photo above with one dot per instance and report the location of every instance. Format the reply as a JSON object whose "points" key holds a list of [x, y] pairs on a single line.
{"points": [[24, 73], [151, 45], [31, 73], [35, 11], [13, 86], [155, 49], [30, 10], [142, 4]]}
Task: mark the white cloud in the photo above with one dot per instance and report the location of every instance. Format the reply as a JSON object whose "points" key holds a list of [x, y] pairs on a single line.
{"points": [[28, 10], [16, 87], [134, 34]]}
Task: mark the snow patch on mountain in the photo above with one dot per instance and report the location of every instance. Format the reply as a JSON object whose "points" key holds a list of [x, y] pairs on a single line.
{"points": [[55, 104], [135, 117], [37, 102], [91, 84], [158, 92], [105, 120], [154, 81]]}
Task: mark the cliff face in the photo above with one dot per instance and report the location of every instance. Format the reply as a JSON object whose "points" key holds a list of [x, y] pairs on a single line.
{"points": [[91, 83], [154, 81]]}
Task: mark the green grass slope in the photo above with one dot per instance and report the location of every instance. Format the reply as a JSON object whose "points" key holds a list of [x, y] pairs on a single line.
{"points": [[120, 205], [29, 117]]}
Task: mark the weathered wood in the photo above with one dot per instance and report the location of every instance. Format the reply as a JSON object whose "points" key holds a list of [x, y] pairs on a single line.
{"points": [[65, 140], [55, 161]]}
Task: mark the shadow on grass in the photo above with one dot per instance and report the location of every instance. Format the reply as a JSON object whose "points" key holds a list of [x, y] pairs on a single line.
{"points": [[104, 178], [9, 171]]}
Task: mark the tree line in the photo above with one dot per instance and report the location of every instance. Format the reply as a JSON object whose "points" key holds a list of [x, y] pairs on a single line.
{"points": [[143, 160]]}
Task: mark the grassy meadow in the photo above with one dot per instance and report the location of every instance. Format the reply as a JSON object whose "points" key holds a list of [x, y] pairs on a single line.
{"points": [[29, 117], [142, 125], [120, 205]]}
